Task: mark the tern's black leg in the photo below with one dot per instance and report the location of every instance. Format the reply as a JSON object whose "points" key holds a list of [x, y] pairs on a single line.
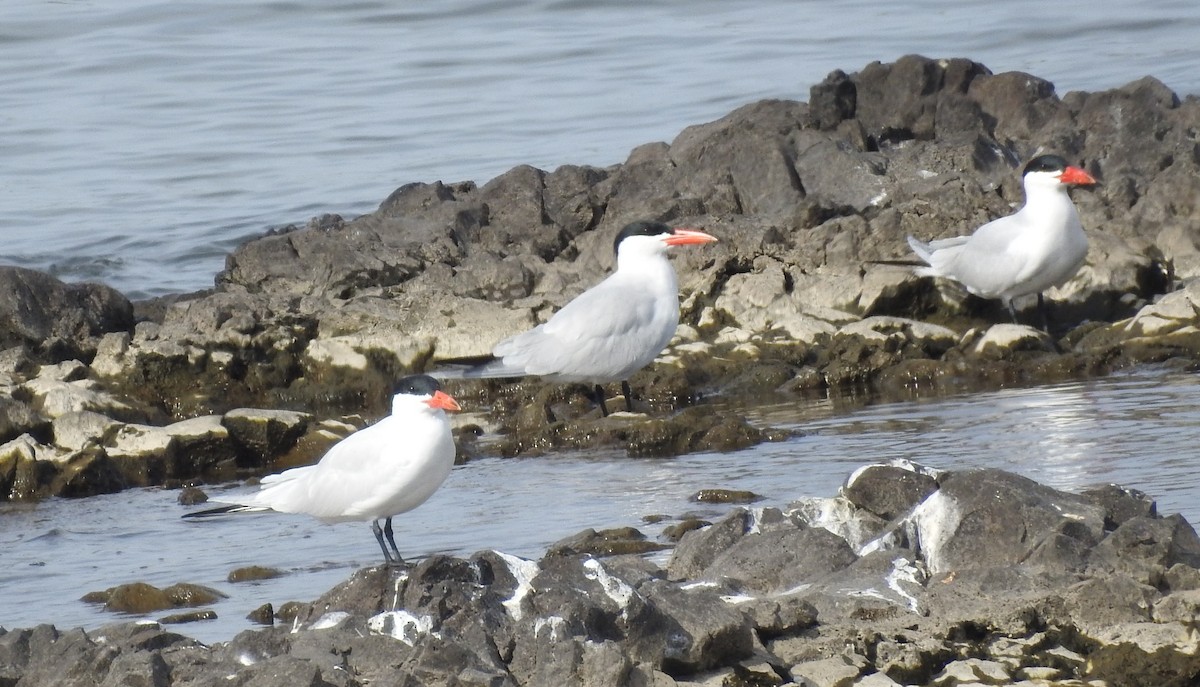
{"points": [[387, 556], [628, 395], [1042, 311], [387, 532], [1012, 311], [600, 400]]}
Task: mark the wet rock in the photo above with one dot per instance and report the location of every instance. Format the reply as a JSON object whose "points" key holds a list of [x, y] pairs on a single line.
{"points": [[26, 467], [143, 454], [676, 531], [724, 496], [87, 473], [200, 445], [139, 598], [253, 573], [135, 597], [693, 429], [263, 615], [259, 435], [316, 441], [188, 617], [191, 496], [610, 542], [186, 594]]}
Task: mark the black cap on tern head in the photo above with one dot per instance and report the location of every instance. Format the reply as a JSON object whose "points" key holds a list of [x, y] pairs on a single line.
{"points": [[1045, 163], [641, 228], [416, 385]]}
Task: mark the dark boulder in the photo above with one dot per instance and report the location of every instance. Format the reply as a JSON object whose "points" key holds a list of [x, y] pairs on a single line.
{"points": [[56, 320]]}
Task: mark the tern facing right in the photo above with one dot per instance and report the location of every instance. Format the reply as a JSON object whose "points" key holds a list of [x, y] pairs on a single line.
{"points": [[386, 469], [608, 332], [1039, 246]]}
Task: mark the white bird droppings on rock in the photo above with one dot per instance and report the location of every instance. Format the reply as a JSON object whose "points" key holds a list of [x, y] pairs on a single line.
{"points": [[524, 571], [616, 589], [931, 525], [400, 625], [330, 619]]}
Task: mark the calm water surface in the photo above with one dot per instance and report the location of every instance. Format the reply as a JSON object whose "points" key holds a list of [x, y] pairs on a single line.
{"points": [[141, 140], [1137, 429]]}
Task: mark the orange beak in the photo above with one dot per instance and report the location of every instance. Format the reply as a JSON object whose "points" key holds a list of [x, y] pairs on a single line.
{"points": [[1076, 177], [684, 237], [443, 400]]}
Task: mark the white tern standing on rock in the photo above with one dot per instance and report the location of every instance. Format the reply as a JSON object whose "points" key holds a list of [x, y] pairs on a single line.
{"points": [[386, 469], [1039, 246], [608, 332]]}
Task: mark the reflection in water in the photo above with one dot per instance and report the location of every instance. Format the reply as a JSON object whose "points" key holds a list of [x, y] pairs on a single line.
{"points": [[1136, 430]]}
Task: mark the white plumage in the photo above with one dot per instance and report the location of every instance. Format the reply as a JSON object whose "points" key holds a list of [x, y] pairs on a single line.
{"points": [[1039, 246], [383, 470], [610, 331]]}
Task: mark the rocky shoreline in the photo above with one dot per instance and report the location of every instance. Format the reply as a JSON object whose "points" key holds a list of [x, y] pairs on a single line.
{"points": [[908, 576], [298, 341]]}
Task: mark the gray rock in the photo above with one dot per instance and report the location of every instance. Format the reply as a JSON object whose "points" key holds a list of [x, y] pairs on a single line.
{"points": [[1145, 548], [78, 429], [973, 671], [145, 454], [702, 631], [889, 490], [781, 560], [56, 319], [698, 549], [983, 518], [836, 671], [1145, 654], [1003, 339], [1121, 503], [17, 418], [53, 398]]}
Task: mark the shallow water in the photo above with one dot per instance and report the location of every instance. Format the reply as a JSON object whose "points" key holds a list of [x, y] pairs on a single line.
{"points": [[1138, 429], [142, 140]]}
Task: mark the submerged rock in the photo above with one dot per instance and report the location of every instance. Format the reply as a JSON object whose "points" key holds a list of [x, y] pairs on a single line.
{"points": [[139, 598]]}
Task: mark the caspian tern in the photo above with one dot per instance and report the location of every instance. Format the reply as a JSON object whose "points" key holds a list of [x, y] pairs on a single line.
{"points": [[608, 332], [375, 473], [1039, 246]]}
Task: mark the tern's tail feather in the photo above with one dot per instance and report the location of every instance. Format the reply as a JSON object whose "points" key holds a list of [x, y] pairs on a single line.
{"points": [[922, 249], [223, 510], [474, 367]]}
